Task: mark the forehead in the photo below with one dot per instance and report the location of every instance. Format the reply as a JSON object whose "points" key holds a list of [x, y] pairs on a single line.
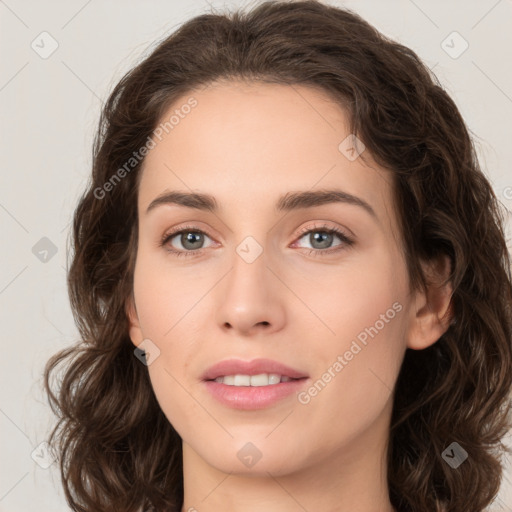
{"points": [[249, 143]]}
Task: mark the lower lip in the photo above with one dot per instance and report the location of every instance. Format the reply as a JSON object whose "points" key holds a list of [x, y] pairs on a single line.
{"points": [[253, 397]]}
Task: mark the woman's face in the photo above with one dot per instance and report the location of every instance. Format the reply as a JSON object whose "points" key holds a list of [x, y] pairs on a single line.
{"points": [[259, 277]]}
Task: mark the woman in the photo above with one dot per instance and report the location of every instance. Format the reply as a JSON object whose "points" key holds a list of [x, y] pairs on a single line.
{"points": [[223, 364]]}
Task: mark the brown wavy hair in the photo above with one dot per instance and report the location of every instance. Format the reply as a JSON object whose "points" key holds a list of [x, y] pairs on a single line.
{"points": [[117, 451]]}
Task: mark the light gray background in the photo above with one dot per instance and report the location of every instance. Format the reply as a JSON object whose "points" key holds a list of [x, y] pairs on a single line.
{"points": [[49, 111]]}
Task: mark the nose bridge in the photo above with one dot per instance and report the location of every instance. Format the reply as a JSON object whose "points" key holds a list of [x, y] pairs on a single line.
{"points": [[249, 250], [253, 262], [249, 265]]}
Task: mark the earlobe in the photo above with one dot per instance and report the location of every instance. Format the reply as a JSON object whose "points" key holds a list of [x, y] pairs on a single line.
{"points": [[133, 319], [432, 312]]}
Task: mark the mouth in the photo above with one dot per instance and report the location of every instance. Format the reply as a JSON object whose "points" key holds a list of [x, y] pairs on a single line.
{"points": [[255, 384]]}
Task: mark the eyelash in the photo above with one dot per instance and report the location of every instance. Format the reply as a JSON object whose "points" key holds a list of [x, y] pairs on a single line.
{"points": [[347, 241]]}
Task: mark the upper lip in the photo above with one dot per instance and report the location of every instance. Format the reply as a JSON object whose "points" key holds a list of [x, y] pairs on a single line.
{"points": [[254, 367]]}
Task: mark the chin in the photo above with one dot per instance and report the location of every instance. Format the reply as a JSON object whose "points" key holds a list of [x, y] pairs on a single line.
{"points": [[251, 460]]}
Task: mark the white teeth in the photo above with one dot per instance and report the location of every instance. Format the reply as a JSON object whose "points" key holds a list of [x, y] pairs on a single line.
{"points": [[263, 379], [273, 378], [242, 380]]}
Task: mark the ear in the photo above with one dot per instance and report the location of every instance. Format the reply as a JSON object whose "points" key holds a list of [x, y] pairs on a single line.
{"points": [[432, 310], [135, 330]]}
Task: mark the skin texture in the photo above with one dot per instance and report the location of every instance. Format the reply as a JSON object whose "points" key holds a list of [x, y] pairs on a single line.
{"points": [[248, 144]]}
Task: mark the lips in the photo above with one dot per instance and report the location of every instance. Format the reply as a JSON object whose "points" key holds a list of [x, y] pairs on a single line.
{"points": [[254, 367]]}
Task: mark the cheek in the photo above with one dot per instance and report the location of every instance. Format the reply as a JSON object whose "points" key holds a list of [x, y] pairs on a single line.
{"points": [[161, 296], [363, 299], [352, 387], [358, 362], [162, 306], [169, 389]]}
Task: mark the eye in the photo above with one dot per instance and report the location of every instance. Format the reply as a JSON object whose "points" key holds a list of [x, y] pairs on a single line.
{"points": [[321, 238], [189, 237]]}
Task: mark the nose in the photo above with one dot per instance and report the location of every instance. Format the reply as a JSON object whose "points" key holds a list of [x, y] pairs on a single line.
{"points": [[250, 298]]}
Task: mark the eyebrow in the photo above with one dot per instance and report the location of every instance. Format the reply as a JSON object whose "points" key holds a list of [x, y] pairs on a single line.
{"points": [[288, 202]]}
